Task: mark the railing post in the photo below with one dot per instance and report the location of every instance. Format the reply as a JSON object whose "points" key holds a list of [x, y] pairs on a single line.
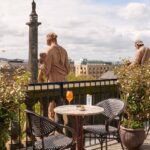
{"points": [[61, 92], [28, 139], [44, 104]]}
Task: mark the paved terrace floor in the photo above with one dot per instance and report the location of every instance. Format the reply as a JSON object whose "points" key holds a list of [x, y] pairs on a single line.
{"points": [[113, 145]]}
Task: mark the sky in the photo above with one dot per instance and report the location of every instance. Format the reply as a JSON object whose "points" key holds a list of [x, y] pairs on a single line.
{"points": [[93, 29]]}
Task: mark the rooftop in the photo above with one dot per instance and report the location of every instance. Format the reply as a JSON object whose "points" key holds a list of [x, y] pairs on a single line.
{"points": [[108, 75], [86, 61]]}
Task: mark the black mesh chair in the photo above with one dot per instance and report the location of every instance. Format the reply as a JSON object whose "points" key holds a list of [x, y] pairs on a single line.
{"points": [[113, 109], [43, 129]]}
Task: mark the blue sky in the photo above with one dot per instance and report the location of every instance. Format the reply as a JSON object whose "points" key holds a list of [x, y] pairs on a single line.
{"points": [[92, 29]]}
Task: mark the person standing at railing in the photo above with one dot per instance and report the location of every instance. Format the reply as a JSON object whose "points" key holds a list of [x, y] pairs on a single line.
{"points": [[57, 67], [142, 53], [42, 78], [42, 69]]}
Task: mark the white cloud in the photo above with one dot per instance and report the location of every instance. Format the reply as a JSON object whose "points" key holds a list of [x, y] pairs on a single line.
{"points": [[135, 11], [85, 29]]}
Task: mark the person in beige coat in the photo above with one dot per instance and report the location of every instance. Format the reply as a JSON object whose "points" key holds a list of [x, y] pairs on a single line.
{"points": [[57, 68], [142, 53]]}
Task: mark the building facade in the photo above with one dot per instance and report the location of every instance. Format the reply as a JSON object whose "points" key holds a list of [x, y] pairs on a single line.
{"points": [[13, 63], [71, 65], [92, 68]]}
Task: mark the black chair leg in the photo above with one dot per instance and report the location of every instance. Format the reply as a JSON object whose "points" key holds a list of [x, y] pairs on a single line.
{"points": [[121, 145], [101, 143], [119, 140], [106, 144], [73, 147]]}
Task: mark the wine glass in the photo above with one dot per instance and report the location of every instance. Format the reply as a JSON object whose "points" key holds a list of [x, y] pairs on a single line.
{"points": [[69, 96]]}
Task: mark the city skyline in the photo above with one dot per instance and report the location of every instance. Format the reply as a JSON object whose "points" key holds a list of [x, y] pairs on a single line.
{"points": [[92, 29]]}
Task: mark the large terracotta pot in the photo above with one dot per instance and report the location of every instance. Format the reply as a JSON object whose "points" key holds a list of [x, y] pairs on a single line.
{"points": [[132, 139]]}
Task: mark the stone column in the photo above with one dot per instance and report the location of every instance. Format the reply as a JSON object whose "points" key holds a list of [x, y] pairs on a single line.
{"points": [[33, 43]]}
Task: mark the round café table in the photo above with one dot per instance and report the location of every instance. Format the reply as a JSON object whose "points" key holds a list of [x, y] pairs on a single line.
{"points": [[77, 117]]}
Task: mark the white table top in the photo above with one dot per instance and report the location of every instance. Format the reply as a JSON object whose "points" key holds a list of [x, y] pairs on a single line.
{"points": [[75, 111]]}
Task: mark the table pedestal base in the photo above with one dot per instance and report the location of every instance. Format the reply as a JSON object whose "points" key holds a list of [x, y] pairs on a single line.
{"points": [[77, 124]]}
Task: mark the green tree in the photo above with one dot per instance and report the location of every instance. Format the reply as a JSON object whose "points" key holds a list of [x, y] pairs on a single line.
{"points": [[72, 77], [12, 94]]}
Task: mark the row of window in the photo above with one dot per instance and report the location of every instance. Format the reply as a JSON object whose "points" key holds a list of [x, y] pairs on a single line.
{"points": [[101, 68], [94, 72]]}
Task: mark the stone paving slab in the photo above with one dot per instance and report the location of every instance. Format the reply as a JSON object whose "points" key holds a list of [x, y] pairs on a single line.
{"points": [[113, 145]]}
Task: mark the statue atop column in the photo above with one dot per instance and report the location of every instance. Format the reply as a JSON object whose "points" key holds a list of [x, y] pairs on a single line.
{"points": [[33, 43]]}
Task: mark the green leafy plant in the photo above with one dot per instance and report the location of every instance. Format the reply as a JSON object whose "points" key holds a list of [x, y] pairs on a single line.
{"points": [[134, 83], [12, 94], [73, 77]]}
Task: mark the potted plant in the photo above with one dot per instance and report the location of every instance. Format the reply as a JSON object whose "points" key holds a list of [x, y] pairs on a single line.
{"points": [[134, 83], [12, 94]]}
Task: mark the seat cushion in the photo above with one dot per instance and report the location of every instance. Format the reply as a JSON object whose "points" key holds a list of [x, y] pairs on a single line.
{"points": [[99, 129], [53, 142]]}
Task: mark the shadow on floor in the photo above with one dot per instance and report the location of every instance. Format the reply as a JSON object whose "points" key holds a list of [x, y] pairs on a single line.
{"points": [[145, 147]]}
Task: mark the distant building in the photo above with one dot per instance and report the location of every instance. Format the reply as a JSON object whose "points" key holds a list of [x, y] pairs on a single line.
{"points": [[18, 63], [93, 68], [13, 63], [71, 65], [4, 63], [86, 61]]}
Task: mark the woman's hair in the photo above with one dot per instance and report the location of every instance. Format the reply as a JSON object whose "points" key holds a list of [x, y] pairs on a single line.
{"points": [[51, 35], [42, 58], [139, 43]]}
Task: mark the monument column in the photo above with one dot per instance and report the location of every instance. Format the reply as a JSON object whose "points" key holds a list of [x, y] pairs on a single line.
{"points": [[33, 43]]}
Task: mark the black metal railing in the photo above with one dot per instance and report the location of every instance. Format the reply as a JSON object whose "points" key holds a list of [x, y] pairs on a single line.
{"points": [[44, 93], [40, 95]]}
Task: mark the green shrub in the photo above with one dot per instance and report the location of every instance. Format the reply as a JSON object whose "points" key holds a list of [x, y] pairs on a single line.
{"points": [[134, 82], [12, 94], [73, 77]]}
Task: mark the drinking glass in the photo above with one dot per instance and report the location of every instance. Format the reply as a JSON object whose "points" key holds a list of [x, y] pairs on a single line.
{"points": [[69, 96]]}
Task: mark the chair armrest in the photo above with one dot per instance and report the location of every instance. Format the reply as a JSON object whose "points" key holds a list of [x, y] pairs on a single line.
{"points": [[115, 117], [60, 126], [73, 135], [69, 129]]}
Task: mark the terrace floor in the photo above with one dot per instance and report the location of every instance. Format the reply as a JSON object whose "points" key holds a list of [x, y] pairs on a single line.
{"points": [[113, 145]]}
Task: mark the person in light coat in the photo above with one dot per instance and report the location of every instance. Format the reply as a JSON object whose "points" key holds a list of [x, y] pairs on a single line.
{"points": [[57, 66], [142, 53], [57, 69]]}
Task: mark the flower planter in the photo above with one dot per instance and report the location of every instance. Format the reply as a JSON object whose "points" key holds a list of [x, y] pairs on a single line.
{"points": [[132, 139]]}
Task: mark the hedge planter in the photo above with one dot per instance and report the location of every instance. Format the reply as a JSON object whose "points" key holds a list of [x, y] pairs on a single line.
{"points": [[132, 139]]}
